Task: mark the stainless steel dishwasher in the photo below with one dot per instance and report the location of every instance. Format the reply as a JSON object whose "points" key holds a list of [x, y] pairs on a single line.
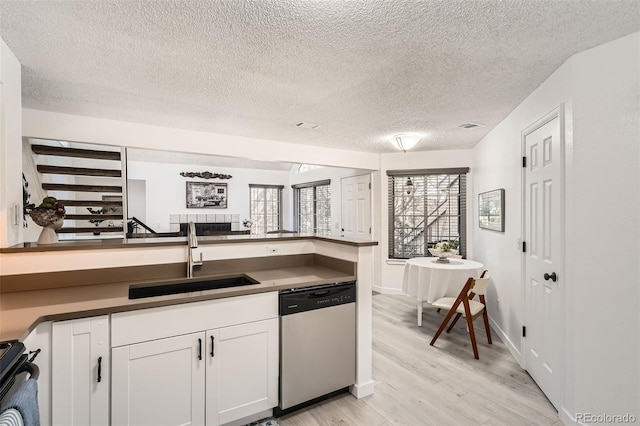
{"points": [[317, 343]]}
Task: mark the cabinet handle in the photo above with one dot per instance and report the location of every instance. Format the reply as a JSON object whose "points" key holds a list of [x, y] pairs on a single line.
{"points": [[199, 349], [99, 369], [212, 346]]}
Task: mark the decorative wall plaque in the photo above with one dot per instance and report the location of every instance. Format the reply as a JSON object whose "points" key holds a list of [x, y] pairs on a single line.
{"points": [[205, 175]]}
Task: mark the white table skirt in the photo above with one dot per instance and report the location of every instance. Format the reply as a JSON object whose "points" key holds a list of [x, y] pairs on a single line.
{"points": [[427, 280]]}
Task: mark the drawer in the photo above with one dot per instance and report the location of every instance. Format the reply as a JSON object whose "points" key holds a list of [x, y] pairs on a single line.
{"points": [[157, 323]]}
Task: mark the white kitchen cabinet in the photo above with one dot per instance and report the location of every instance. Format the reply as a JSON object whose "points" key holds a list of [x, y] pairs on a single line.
{"points": [[165, 381], [80, 372], [161, 382], [206, 375], [242, 371]]}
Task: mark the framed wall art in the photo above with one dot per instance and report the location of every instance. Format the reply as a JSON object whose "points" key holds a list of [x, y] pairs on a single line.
{"points": [[206, 195], [491, 210]]}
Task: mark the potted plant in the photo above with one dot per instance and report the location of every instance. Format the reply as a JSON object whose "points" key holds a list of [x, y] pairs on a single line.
{"points": [[132, 226], [50, 215]]}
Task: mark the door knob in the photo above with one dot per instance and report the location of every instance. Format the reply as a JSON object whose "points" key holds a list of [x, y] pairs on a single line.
{"points": [[553, 277]]}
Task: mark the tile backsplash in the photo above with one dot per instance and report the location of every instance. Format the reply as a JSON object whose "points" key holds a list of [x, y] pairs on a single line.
{"points": [[176, 219]]}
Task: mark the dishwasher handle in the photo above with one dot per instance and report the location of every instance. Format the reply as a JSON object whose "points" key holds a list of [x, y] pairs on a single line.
{"points": [[302, 300], [319, 293]]}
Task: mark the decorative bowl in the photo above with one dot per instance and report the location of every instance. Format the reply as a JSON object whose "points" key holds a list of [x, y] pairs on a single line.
{"points": [[443, 255]]}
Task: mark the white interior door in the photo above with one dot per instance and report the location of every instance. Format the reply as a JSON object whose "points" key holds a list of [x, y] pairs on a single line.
{"points": [[356, 206], [543, 341]]}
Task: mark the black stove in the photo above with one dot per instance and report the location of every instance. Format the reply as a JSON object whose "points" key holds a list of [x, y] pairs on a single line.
{"points": [[12, 360]]}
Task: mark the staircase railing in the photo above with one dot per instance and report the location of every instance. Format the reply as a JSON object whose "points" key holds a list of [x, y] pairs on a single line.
{"points": [[140, 223]]}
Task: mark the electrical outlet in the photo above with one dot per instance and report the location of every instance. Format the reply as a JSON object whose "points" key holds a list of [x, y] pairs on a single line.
{"points": [[272, 250]]}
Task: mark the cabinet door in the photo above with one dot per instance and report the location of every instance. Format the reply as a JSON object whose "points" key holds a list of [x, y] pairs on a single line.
{"points": [[80, 372], [242, 373], [160, 382]]}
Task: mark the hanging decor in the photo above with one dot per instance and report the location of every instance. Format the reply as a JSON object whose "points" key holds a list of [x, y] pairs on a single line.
{"points": [[491, 210], [206, 195], [205, 175]]}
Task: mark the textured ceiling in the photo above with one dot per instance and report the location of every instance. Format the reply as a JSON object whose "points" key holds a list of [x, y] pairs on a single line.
{"points": [[363, 70]]}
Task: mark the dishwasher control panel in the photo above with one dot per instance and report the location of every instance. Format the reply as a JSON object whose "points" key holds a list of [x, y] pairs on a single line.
{"points": [[307, 299]]}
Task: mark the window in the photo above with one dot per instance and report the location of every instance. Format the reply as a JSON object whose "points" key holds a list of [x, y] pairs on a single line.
{"points": [[265, 206], [312, 204], [426, 207]]}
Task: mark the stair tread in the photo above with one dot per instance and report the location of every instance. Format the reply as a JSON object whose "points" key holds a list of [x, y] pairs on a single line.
{"points": [[80, 188], [81, 230], [79, 171], [93, 216], [89, 203], [75, 152]]}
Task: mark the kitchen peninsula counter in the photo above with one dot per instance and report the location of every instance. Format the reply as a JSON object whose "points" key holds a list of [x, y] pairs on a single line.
{"points": [[83, 279], [119, 243], [21, 311]]}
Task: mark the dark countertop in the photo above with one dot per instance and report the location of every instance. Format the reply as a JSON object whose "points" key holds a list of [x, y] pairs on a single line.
{"points": [[115, 243], [22, 311]]}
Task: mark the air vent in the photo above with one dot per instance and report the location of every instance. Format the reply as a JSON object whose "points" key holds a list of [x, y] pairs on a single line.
{"points": [[307, 125], [470, 125]]}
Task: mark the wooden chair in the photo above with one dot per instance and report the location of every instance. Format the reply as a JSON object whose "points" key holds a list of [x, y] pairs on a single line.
{"points": [[464, 305]]}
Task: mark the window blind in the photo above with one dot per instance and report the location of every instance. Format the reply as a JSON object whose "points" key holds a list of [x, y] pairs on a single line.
{"points": [[425, 208]]}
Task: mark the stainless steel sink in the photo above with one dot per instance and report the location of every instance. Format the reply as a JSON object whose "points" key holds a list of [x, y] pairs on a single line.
{"points": [[194, 284]]}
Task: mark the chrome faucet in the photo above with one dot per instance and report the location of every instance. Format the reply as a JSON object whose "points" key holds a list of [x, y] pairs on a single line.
{"points": [[192, 242]]}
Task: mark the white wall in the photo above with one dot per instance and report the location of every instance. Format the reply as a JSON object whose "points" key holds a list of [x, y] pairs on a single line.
{"points": [[388, 273], [604, 204], [600, 90], [137, 199], [76, 128], [497, 164], [10, 147], [166, 190]]}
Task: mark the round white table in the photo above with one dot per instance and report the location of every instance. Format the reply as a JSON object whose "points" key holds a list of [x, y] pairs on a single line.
{"points": [[428, 280]]}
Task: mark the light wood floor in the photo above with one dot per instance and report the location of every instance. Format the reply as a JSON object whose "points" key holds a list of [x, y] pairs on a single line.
{"points": [[417, 384]]}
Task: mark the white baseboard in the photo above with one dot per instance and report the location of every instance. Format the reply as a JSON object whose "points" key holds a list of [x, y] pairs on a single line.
{"points": [[515, 352], [387, 290], [362, 390]]}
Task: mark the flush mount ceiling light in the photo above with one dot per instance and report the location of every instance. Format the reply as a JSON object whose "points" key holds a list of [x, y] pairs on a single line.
{"points": [[405, 141]]}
